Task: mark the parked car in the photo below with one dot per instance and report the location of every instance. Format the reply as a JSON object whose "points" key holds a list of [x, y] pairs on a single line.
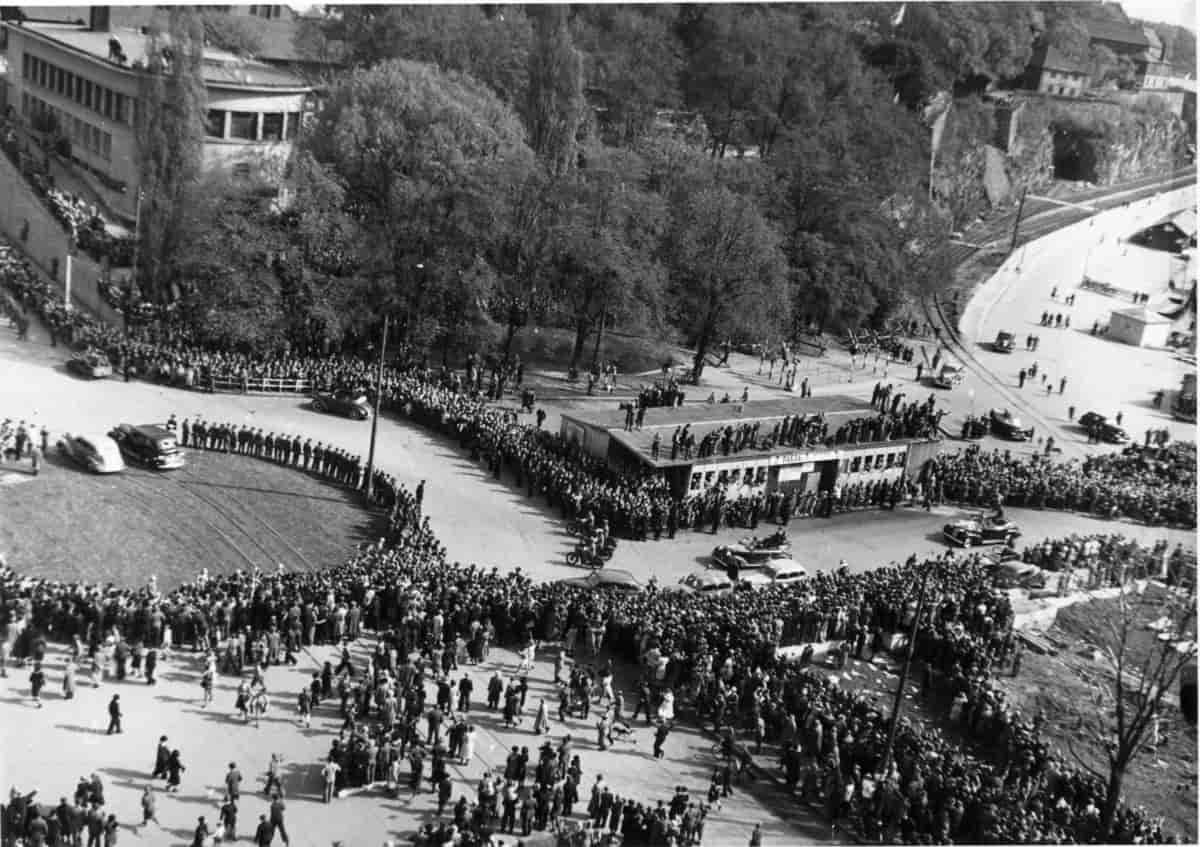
{"points": [[704, 582], [149, 445], [90, 364], [1108, 431], [604, 578], [776, 572], [97, 453], [346, 402], [1004, 424], [977, 529], [1004, 343]]}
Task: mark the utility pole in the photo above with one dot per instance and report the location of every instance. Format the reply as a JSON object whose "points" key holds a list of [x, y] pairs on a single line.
{"points": [[375, 418], [899, 701], [600, 334], [1017, 222], [137, 244]]}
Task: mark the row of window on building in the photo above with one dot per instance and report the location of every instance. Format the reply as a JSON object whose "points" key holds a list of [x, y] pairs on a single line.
{"points": [[81, 133], [91, 95], [757, 476], [252, 126]]}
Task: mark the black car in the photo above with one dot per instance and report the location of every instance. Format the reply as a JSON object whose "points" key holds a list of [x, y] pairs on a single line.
{"points": [[347, 402], [1108, 432], [1004, 424], [1004, 343], [91, 364], [148, 445], [977, 529]]}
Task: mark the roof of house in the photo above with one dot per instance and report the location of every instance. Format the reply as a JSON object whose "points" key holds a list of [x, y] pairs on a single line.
{"points": [[1051, 58], [1120, 33], [1142, 315], [221, 68]]}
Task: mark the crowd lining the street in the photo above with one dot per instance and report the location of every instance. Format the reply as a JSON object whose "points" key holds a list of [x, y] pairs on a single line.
{"points": [[714, 656]]}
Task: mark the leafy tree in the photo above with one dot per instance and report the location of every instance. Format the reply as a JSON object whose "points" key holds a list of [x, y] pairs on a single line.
{"points": [[604, 243], [728, 275], [237, 33], [489, 43], [554, 105], [632, 60], [169, 133], [421, 154]]}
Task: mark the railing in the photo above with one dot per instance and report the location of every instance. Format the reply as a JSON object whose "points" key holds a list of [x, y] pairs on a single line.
{"points": [[238, 385]]}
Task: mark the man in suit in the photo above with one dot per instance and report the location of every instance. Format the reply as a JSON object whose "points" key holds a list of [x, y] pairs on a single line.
{"points": [[114, 714]]}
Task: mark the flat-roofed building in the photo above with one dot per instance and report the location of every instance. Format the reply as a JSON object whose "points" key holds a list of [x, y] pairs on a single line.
{"points": [[767, 465], [82, 83]]}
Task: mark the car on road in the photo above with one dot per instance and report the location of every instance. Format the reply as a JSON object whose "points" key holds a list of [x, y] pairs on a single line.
{"points": [[1004, 424], [95, 452], [977, 529], [90, 364], [744, 557], [776, 572], [149, 445], [948, 376], [1108, 431], [709, 583], [613, 578], [1004, 343], [349, 403]]}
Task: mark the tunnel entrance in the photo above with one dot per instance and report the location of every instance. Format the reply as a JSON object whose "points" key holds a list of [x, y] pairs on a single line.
{"points": [[1074, 155]]}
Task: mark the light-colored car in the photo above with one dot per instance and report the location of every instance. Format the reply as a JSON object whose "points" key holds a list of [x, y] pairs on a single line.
{"points": [[95, 452], [776, 572], [712, 583]]}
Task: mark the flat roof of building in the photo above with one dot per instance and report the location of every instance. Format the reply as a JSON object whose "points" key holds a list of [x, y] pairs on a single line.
{"points": [[704, 418], [221, 68]]}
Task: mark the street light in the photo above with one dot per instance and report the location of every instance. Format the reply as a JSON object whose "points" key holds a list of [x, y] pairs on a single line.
{"points": [[370, 481], [899, 701]]}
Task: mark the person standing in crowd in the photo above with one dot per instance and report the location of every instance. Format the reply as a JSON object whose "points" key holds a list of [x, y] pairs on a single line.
{"points": [[114, 714]]}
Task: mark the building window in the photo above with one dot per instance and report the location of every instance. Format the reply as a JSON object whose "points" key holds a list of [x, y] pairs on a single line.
{"points": [[272, 126], [26, 64], [77, 94], [108, 103], [42, 72], [214, 123], [293, 126], [25, 104], [243, 125], [695, 482], [241, 172], [119, 108], [106, 150]]}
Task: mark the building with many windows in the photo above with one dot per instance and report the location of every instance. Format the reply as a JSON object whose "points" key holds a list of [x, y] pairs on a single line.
{"points": [[79, 85], [765, 467]]}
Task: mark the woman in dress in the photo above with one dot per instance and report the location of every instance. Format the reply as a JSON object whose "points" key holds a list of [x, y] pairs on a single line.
{"points": [[175, 768]]}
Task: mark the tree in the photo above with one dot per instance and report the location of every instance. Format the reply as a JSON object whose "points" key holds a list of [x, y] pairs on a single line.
{"points": [[425, 157], [728, 275], [240, 34], [169, 131], [604, 243], [554, 106], [1145, 671]]}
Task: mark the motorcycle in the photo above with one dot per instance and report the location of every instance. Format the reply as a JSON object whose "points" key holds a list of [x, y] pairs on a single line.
{"points": [[583, 557]]}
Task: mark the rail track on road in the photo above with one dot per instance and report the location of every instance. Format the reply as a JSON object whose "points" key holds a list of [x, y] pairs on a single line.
{"points": [[989, 237]]}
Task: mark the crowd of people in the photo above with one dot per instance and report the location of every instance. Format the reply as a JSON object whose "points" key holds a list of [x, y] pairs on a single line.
{"points": [[717, 655], [1153, 485]]}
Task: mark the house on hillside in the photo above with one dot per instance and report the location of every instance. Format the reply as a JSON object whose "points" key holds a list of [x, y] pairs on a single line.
{"points": [[1140, 44], [1051, 72], [78, 85]]}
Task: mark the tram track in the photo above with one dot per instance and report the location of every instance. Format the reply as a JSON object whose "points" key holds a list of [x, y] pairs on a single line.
{"points": [[1033, 227]]}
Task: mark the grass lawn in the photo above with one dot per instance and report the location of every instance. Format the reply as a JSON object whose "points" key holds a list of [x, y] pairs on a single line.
{"points": [[221, 512]]}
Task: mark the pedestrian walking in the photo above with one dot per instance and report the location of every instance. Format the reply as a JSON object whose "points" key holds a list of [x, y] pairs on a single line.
{"points": [[149, 813], [265, 833], [114, 714], [37, 681], [277, 810]]}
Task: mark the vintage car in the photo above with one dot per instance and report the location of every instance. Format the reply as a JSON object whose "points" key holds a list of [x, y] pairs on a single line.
{"points": [[978, 529], [745, 557], [149, 445], [1109, 432], [975, 427], [91, 364], [1004, 424], [1009, 571], [349, 403], [948, 376], [1004, 343], [712, 583], [776, 572], [95, 452], [604, 578]]}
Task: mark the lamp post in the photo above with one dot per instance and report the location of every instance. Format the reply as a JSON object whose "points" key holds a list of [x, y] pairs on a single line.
{"points": [[370, 481], [899, 701]]}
